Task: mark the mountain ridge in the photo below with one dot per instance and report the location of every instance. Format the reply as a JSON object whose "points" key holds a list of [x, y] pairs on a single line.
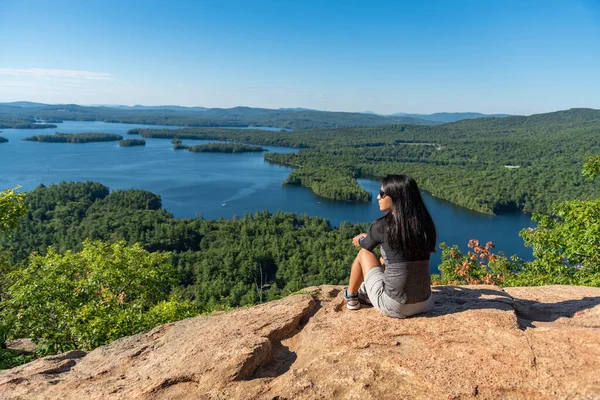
{"points": [[444, 117], [240, 116], [441, 117]]}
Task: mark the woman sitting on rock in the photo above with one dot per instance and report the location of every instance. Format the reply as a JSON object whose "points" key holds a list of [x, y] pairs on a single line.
{"points": [[398, 284]]}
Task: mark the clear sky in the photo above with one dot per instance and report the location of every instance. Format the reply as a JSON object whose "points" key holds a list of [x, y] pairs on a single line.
{"points": [[422, 56]]}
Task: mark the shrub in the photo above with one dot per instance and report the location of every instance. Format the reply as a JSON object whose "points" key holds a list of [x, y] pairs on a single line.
{"points": [[87, 299]]}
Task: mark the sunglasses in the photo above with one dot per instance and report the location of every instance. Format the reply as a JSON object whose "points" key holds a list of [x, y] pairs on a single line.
{"points": [[381, 194]]}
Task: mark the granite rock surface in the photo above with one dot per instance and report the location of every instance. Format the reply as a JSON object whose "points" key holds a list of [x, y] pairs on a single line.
{"points": [[480, 342]]}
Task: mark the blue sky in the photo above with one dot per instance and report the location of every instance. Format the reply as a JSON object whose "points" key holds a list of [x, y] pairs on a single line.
{"points": [[493, 56]]}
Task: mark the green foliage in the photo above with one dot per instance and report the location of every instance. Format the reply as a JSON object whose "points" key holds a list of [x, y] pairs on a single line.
{"points": [[255, 136], [257, 257], [52, 213], [75, 138], [83, 300], [12, 358], [12, 208], [335, 184], [132, 142], [263, 256], [3, 139], [225, 148], [565, 246], [591, 168]]}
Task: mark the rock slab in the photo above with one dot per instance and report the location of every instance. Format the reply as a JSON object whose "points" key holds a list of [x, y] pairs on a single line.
{"points": [[480, 342]]}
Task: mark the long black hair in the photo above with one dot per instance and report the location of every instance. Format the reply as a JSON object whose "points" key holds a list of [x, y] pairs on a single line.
{"points": [[409, 227]]}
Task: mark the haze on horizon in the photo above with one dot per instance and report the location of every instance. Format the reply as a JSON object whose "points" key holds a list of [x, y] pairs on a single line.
{"points": [[427, 56]]}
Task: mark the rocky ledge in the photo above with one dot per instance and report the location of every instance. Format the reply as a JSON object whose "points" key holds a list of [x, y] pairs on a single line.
{"points": [[479, 342]]}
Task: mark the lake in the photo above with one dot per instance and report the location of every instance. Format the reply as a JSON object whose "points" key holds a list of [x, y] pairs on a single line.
{"points": [[217, 185]]}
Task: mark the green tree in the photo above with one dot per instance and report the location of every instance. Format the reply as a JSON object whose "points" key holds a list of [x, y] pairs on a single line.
{"points": [[565, 246], [87, 299], [591, 168], [12, 209], [566, 243]]}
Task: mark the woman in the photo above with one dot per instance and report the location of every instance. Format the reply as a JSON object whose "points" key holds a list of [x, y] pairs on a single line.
{"points": [[406, 233]]}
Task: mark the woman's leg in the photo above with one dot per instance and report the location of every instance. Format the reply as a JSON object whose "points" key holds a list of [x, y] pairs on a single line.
{"points": [[364, 261]]}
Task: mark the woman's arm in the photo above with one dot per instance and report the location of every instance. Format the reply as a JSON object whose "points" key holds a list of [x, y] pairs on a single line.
{"points": [[369, 240], [356, 239]]}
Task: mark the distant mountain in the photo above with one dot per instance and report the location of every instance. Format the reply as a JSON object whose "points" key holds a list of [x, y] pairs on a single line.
{"points": [[445, 117], [295, 119], [547, 122], [296, 109], [24, 104], [166, 107]]}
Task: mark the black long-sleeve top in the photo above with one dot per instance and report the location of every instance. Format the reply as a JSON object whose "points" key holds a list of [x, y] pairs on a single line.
{"points": [[406, 281]]}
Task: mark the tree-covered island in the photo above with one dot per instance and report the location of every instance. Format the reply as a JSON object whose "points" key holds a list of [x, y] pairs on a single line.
{"points": [[132, 142], [3, 139], [76, 138]]}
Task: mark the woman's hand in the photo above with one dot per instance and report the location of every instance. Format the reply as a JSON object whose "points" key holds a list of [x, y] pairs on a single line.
{"points": [[357, 238]]}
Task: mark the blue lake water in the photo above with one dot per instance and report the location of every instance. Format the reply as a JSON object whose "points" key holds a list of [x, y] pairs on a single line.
{"points": [[216, 185]]}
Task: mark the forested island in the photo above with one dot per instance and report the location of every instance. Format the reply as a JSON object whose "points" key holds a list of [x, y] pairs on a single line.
{"points": [[132, 142], [462, 162], [76, 138], [3, 139]]}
